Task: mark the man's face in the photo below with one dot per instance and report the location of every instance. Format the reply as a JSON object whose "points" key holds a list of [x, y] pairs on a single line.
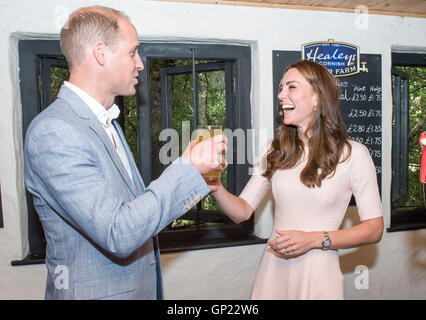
{"points": [[124, 62]]}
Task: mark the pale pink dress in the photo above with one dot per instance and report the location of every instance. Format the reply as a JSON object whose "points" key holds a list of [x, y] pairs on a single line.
{"points": [[316, 274]]}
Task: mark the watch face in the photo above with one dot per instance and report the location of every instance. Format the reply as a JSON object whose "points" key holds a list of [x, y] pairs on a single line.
{"points": [[326, 243]]}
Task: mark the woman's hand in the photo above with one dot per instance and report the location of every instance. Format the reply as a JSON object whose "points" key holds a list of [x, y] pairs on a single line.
{"points": [[293, 243], [215, 187]]}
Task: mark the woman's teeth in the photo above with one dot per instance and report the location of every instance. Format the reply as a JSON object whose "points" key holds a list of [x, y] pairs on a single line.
{"points": [[287, 107]]}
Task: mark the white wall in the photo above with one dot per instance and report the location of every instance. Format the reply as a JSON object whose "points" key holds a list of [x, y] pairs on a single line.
{"points": [[396, 265]]}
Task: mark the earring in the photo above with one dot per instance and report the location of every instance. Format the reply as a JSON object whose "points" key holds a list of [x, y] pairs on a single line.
{"points": [[315, 108]]}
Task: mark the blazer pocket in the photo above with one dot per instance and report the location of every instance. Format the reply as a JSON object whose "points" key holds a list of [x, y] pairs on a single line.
{"points": [[114, 288]]}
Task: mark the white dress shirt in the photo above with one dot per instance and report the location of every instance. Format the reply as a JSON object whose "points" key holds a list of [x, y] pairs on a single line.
{"points": [[105, 117]]}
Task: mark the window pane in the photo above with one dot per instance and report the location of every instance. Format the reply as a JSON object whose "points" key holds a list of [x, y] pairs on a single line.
{"points": [[57, 78], [131, 125], [155, 114], [180, 99], [212, 98], [184, 98], [416, 125], [212, 111]]}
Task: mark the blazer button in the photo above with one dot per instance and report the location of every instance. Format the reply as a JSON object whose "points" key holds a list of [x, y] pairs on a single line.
{"points": [[153, 262]]}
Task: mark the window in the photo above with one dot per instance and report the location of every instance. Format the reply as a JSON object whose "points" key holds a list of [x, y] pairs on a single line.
{"points": [[164, 99], [409, 121], [196, 84]]}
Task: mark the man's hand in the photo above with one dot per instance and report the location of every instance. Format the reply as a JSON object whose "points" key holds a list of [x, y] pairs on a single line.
{"points": [[207, 155]]}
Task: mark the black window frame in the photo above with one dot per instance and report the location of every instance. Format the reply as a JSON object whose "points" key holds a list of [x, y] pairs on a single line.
{"points": [[400, 134], [30, 52], [402, 220], [32, 73]]}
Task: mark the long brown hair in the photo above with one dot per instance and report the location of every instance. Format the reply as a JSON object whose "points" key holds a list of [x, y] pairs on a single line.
{"points": [[328, 139]]}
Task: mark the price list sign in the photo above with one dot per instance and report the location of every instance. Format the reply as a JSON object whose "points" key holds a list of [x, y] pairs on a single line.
{"points": [[361, 103]]}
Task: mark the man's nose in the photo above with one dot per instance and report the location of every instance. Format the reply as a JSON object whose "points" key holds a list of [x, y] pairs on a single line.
{"points": [[139, 63]]}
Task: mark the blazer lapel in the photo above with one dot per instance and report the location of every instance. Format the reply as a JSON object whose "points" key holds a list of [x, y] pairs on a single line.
{"points": [[96, 126], [137, 179], [83, 111]]}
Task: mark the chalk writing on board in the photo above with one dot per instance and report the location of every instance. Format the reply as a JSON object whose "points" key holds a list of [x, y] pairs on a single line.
{"points": [[362, 112]]}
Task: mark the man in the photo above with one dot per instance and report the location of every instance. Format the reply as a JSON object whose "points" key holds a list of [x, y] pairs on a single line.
{"points": [[99, 218]]}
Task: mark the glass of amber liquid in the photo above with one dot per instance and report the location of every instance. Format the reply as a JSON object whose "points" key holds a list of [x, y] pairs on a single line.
{"points": [[205, 132]]}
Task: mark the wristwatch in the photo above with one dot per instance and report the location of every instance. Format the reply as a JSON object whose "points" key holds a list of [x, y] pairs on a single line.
{"points": [[326, 242]]}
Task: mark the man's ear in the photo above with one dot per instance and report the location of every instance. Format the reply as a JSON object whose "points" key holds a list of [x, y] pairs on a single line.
{"points": [[99, 52]]}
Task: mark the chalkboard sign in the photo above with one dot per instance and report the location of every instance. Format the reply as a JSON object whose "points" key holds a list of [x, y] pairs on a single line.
{"points": [[361, 101]]}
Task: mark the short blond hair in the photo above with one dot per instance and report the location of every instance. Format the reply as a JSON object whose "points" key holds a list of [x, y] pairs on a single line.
{"points": [[87, 25]]}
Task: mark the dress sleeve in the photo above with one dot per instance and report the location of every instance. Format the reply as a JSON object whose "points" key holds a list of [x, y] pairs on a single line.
{"points": [[364, 183], [258, 185]]}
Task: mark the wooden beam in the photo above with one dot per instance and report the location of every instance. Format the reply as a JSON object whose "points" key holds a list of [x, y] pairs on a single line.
{"points": [[278, 4]]}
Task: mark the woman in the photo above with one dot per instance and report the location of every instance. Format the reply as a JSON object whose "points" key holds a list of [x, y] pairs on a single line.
{"points": [[313, 170]]}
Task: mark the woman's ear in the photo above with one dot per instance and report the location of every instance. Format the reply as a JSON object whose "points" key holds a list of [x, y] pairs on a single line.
{"points": [[315, 102]]}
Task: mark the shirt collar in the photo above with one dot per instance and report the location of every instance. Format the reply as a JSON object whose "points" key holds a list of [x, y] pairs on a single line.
{"points": [[103, 115]]}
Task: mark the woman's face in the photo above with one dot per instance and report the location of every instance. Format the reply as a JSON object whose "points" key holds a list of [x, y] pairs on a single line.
{"points": [[297, 100]]}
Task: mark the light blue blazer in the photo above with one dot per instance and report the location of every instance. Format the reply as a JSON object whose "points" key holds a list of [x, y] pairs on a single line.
{"points": [[99, 225]]}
